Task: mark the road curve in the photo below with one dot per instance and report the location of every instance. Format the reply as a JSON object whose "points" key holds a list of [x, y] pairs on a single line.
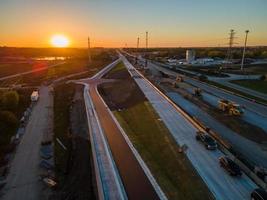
{"points": [[135, 181]]}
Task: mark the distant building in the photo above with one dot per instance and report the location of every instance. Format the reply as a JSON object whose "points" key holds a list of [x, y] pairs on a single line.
{"points": [[190, 56], [172, 61]]}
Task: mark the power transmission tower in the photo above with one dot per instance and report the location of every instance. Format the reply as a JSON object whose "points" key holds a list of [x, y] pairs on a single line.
{"points": [[89, 51], [229, 55], [244, 50]]}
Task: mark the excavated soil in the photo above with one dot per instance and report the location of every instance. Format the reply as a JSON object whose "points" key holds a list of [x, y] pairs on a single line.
{"points": [[122, 93]]}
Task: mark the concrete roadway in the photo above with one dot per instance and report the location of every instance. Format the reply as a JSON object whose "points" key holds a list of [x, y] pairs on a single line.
{"points": [[23, 179], [223, 186], [253, 151], [226, 81], [248, 116], [240, 88], [258, 109], [136, 183]]}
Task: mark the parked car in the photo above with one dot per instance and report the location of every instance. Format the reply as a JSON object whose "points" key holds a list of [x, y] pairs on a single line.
{"points": [[259, 194], [207, 140], [230, 166]]}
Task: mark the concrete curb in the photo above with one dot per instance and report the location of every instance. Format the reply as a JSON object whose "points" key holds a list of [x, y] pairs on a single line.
{"points": [[97, 170], [103, 193], [148, 173]]}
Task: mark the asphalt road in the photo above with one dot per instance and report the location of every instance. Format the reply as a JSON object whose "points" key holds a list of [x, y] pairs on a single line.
{"points": [[135, 182], [223, 186], [23, 178]]}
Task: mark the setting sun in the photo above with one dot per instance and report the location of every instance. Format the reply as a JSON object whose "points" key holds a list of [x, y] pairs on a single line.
{"points": [[59, 41]]}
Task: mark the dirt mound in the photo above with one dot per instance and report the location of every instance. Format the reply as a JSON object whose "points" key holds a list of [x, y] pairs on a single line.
{"points": [[121, 94]]}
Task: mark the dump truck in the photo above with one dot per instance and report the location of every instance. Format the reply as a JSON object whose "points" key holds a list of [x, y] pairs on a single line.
{"points": [[230, 107]]}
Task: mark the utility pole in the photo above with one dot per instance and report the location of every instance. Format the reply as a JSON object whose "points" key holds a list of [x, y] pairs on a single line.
{"points": [[230, 45], [89, 51], [244, 50], [146, 47], [137, 47], [146, 40]]}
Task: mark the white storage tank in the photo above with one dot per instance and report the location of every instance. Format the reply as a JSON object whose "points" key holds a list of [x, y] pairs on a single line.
{"points": [[190, 56]]}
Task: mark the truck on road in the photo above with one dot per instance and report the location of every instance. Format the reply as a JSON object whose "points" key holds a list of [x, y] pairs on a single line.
{"points": [[35, 96]]}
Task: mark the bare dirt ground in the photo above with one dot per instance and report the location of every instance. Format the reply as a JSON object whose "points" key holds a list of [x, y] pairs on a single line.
{"points": [[79, 182], [122, 93]]}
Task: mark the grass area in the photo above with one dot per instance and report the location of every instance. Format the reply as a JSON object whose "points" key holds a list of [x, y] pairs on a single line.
{"points": [[249, 69], [63, 95], [118, 67], [70, 67], [9, 69], [257, 85], [172, 170], [9, 120], [236, 91]]}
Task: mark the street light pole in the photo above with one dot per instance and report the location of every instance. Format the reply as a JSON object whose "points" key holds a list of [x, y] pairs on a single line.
{"points": [[244, 50]]}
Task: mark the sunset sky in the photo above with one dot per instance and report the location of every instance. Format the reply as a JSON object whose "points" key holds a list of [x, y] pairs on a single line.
{"points": [[113, 23]]}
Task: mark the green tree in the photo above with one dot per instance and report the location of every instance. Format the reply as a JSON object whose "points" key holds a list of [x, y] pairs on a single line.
{"points": [[264, 54], [8, 122], [10, 100], [215, 53]]}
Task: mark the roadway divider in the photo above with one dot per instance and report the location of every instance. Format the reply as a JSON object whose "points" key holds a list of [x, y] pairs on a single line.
{"points": [[109, 184], [108, 180], [224, 147], [146, 170]]}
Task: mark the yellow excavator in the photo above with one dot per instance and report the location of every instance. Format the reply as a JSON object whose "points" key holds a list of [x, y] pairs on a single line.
{"points": [[230, 107]]}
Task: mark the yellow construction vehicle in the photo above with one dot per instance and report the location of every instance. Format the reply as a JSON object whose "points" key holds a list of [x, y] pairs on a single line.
{"points": [[179, 78], [230, 107]]}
